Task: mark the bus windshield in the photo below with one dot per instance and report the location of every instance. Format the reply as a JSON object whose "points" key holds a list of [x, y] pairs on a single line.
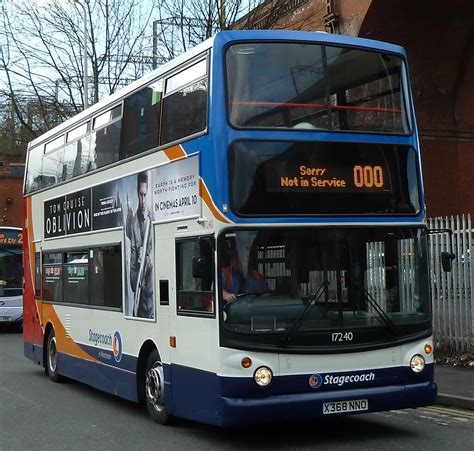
{"points": [[301, 286], [312, 87], [11, 272]]}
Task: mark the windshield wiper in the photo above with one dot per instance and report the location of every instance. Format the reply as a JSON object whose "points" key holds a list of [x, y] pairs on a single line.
{"points": [[312, 302], [381, 312]]}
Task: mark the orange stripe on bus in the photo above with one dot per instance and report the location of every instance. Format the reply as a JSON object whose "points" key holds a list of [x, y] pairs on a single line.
{"points": [[204, 193], [64, 344], [31, 244], [175, 152]]}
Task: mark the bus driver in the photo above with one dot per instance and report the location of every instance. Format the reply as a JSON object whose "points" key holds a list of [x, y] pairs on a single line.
{"points": [[234, 282]]}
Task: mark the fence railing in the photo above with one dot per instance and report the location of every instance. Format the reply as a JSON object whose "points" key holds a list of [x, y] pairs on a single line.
{"points": [[452, 292]]}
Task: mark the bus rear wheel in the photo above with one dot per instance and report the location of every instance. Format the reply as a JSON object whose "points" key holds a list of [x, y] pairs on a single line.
{"points": [[155, 389], [52, 358]]}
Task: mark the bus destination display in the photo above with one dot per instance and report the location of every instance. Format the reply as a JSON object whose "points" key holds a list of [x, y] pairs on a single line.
{"points": [[321, 178], [328, 178], [10, 237]]}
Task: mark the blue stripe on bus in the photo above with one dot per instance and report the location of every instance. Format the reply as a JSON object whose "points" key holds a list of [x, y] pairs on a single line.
{"points": [[101, 376], [106, 356]]}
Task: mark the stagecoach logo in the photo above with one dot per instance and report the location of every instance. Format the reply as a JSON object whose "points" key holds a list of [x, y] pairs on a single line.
{"points": [[117, 346], [108, 340], [315, 381]]}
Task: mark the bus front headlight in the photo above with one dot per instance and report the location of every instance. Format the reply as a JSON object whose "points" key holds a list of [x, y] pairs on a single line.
{"points": [[417, 363], [263, 376]]}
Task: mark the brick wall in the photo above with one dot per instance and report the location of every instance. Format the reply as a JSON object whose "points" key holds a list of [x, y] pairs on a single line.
{"points": [[11, 201]]}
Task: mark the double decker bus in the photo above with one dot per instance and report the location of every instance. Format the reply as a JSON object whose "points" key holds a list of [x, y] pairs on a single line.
{"points": [[239, 236], [11, 277]]}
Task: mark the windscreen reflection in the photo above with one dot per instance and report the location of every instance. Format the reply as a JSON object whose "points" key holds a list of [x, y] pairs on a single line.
{"points": [[288, 283]]}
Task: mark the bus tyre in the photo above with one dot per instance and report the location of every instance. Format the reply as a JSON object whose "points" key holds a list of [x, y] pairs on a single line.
{"points": [[155, 389], [52, 358]]}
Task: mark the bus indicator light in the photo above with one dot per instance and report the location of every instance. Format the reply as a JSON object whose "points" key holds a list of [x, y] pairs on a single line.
{"points": [[246, 362], [428, 349], [173, 341]]}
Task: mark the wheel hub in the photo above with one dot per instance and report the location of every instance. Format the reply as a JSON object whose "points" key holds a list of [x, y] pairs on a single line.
{"points": [[154, 385], [53, 358]]}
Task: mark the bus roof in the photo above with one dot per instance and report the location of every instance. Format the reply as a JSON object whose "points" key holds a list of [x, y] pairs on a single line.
{"points": [[220, 40]]}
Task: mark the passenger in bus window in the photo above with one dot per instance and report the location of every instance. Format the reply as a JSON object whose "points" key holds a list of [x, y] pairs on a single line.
{"points": [[141, 268], [234, 282]]}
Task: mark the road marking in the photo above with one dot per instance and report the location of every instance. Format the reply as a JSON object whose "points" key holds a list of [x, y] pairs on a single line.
{"points": [[450, 411]]}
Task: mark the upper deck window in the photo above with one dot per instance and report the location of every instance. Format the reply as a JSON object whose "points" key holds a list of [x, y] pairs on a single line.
{"points": [[186, 76], [58, 142], [315, 87], [141, 116], [185, 108], [78, 132], [107, 117], [33, 174]]}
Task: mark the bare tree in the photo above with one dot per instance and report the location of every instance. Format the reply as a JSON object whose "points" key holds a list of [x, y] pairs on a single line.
{"points": [[184, 23], [42, 47]]}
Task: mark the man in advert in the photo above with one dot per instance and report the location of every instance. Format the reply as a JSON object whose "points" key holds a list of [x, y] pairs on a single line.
{"points": [[141, 270]]}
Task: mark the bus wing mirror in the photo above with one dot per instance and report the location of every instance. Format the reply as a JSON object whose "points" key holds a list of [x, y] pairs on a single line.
{"points": [[446, 261]]}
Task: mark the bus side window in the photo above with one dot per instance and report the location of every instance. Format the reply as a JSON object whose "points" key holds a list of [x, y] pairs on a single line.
{"points": [[184, 112], [142, 116], [105, 276], [195, 294], [105, 138], [34, 169], [52, 276]]}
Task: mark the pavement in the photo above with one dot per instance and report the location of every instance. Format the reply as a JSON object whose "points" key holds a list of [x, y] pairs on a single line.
{"points": [[455, 386]]}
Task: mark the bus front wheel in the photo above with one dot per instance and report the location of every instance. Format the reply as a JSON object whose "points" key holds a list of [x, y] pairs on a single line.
{"points": [[155, 389], [51, 366]]}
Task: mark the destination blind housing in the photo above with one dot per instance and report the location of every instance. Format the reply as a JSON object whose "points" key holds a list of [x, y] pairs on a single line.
{"points": [[323, 178]]}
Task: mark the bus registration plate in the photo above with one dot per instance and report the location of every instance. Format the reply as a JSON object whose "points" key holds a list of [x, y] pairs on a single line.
{"points": [[4, 318], [356, 405]]}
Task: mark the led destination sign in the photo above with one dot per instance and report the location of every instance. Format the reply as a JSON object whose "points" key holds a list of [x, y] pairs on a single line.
{"points": [[323, 178], [10, 237], [359, 177]]}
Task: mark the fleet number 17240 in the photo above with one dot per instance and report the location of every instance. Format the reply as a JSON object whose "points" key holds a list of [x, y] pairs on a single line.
{"points": [[342, 336]]}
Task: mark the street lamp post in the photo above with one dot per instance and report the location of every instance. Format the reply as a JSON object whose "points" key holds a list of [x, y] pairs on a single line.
{"points": [[86, 88]]}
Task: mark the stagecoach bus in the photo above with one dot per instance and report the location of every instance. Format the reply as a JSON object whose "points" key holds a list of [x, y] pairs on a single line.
{"points": [[239, 236], [11, 277]]}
